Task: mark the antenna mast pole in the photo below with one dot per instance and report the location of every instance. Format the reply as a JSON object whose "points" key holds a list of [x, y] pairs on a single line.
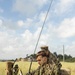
{"points": [[41, 32]]}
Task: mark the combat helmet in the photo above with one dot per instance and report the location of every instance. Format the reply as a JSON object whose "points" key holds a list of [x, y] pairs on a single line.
{"points": [[45, 49], [42, 53]]}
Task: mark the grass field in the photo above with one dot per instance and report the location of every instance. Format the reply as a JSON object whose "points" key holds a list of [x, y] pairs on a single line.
{"points": [[24, 66]]}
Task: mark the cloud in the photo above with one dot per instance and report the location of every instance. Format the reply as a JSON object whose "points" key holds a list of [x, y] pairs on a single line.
{"points": [[28, 22], [26, 41], [28, 7], [9, 44], [1, 10], [20, 23], [1, 22], [37, 20], [63, 6], [42, 16], [19, 45], [66, 28], [26, 35], [25, 23], [23, 35], [10, 25], [70, 49], [5, 42]]}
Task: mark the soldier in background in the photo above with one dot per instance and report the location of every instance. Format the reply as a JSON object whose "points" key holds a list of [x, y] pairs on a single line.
{"points": [[9, 68], [16, 70]]}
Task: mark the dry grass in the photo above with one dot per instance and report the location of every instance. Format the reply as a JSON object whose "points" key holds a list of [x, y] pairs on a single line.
{"points": [[70, 66], [24, 66], [2, 68]]}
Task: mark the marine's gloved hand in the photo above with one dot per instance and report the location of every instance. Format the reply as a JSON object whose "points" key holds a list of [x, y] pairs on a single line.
{"points": [[29, 74]]}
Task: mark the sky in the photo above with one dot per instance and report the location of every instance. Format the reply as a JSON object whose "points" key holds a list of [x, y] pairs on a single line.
{"points": [[21, 22]]}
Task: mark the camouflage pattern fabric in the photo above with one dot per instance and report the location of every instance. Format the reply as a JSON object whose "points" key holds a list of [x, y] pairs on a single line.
{"points": [[47, 69], [58, 65], [52, 67], [52, 59]]}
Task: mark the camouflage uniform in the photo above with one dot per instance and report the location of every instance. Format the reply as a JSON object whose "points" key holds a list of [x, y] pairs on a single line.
{"points": [[52, 60], [46, 69], [51, 67]]}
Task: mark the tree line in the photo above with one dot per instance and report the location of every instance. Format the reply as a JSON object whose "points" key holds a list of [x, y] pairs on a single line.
{"points": [[67, 58]]}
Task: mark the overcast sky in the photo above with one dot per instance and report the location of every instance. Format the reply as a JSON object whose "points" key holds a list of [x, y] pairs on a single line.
{"points": [[21, 22]]}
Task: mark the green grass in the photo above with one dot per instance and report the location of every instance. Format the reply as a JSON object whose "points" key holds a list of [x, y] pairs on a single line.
{"points": [[24, 66]]}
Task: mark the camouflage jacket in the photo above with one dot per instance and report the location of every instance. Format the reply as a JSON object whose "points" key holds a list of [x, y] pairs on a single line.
{"points": [[47, 69]]}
